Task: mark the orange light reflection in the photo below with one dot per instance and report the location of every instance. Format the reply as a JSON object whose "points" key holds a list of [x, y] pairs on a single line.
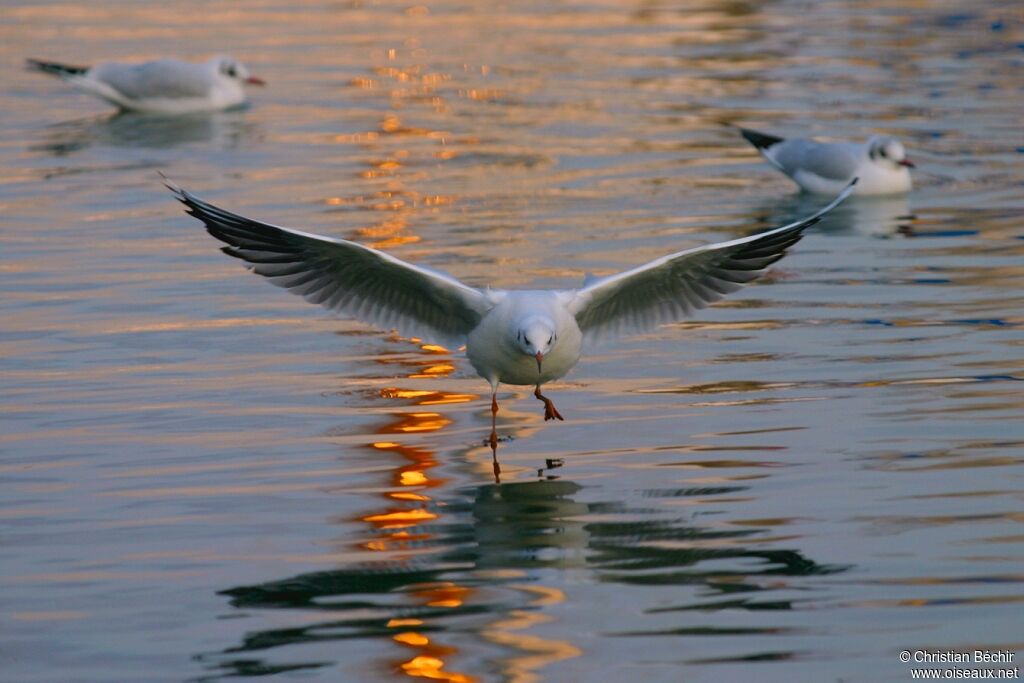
{"points": [[444, 594], [409, 423], [424, 666], [427, 397], [402, 525], [399, 518]]}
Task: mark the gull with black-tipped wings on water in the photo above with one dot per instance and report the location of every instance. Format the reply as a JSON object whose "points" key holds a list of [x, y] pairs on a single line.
{"points": [[522, 337]]}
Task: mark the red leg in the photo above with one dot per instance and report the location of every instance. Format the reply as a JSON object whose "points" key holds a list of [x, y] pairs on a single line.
{"points": [[494, 438], [550, 412], [494, 422]]}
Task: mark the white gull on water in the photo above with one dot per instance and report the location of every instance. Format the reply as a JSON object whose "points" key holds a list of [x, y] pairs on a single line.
{"points": [[163, 86], [880, 164], [522, 337]]}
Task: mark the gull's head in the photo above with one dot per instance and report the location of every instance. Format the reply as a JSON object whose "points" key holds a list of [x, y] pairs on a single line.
{"points": [[888, 151], [233, 70], [535, 336]]}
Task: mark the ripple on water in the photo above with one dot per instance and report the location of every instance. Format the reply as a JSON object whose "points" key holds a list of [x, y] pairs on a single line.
{"points": [[793, 485]]}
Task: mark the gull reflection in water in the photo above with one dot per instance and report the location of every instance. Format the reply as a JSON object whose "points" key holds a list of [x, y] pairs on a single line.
{"points": [[220, 130], [872, 216], [479, 577]]}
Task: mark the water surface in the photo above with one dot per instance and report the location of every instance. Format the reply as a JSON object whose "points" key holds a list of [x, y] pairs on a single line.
{"points": [[203, 477]]}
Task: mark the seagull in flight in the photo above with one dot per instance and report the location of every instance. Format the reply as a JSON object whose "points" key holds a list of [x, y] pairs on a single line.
{"points": [[163, 86], [521, 337], [881, 163]]}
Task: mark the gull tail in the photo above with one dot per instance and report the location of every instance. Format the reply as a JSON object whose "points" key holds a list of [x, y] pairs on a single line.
{"points": [[760, 140], [55, 68]]}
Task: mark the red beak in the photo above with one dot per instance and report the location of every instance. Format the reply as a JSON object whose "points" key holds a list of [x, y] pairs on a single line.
{"points": [[253, 80], [539, 357], [907, 162]]}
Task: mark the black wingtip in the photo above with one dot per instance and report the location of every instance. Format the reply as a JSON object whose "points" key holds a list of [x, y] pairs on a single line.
{"points": [[759, 140], [179, 194], [54, 68], [232, 251]]}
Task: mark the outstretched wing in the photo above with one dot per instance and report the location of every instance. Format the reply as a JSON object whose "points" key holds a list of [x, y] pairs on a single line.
{"points": [[358, 281], [673, 287]]}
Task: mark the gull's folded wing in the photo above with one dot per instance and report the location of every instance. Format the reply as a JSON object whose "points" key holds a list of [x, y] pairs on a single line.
{"points": [[673, 287], [163, 79], [835, 161], [347, 277]]}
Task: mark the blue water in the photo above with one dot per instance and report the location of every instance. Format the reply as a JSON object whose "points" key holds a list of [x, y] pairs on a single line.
{"points": [[204, 478]]}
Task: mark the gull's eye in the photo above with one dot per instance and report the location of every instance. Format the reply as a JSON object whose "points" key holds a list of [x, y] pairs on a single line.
{"points": [[882, 153], [551, 339], [230, 71]]}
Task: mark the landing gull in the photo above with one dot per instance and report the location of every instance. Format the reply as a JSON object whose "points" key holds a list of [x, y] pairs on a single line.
{"points": [[521, 337]]}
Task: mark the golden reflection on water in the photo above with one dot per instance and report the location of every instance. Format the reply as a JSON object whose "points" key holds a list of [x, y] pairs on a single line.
{"points": [[402, 526], [388, 157], [404, 520], [418, 130], [538, 652]]}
